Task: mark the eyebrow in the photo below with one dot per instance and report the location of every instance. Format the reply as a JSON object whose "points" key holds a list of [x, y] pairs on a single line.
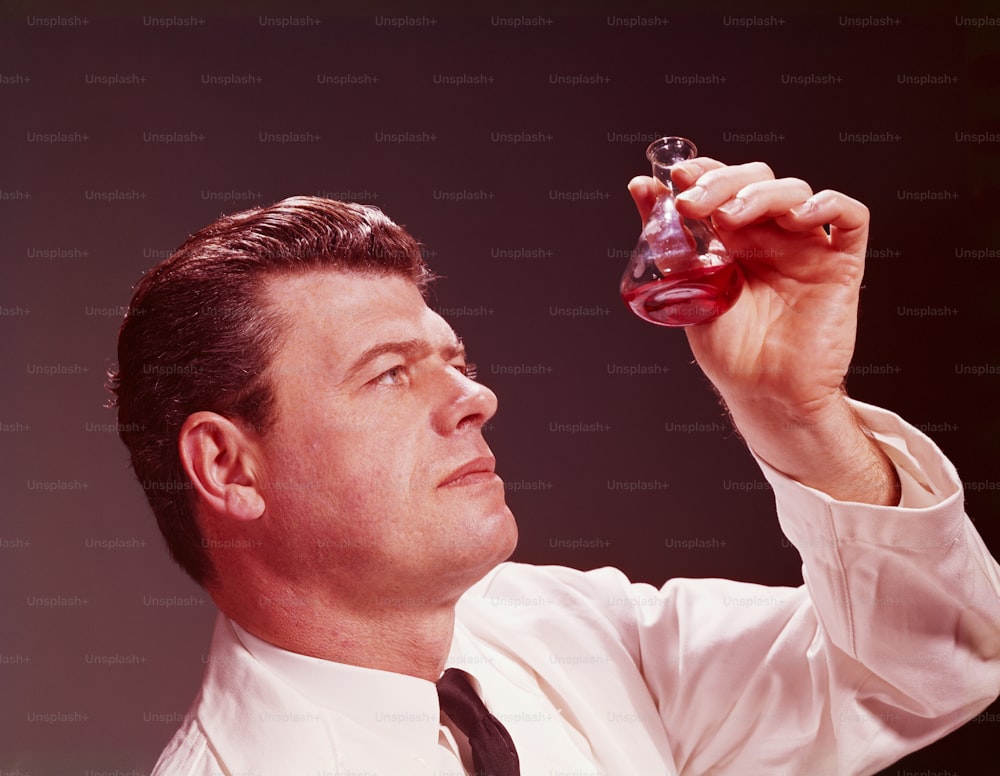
{"points": [[411, 349]]}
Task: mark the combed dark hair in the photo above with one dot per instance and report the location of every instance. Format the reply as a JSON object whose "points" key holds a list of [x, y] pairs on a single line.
{"points": [[198, 335]]}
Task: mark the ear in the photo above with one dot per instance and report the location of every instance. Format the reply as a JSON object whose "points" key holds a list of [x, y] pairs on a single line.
{"points": [[221, 461]]}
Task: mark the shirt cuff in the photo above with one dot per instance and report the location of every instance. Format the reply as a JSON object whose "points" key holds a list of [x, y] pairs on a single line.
{"points": [[926, 476], [854, 553], [929, 513]]}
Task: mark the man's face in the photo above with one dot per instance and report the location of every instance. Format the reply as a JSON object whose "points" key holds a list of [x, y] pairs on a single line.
{"points": [[379, 486]]}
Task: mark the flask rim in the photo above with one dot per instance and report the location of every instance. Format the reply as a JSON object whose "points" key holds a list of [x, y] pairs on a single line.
{"points": [[668, 151]]}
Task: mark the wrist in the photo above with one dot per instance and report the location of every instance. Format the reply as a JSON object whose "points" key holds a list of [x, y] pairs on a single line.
{"points": [[825, 446]]}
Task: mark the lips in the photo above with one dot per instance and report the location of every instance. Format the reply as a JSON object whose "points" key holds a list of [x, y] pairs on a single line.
{"points": [[475, 471]]}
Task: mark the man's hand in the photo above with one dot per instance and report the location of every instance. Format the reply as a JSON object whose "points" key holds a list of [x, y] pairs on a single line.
{"points": [[780, 355]]}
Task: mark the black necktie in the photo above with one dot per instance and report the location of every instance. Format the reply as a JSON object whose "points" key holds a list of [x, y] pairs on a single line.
{"points": [[493, 752]]}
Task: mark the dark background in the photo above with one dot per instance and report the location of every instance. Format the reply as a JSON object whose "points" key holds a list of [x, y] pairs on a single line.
{"points": [[124, 128]]}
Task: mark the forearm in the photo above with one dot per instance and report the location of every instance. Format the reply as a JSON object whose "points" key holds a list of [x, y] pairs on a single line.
{"points": [[827, 449], [910, 594]]}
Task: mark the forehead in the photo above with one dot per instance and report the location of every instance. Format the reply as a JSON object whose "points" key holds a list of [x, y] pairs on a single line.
{"points": [[344, 313]]}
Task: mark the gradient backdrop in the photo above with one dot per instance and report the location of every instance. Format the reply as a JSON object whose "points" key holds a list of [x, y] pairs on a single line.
{"points": [[503, 137]]}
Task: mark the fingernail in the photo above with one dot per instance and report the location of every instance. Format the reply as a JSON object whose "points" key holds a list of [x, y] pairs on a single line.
{"points": [[732, 207], [689, 169], [804, 209], [694, 194]]}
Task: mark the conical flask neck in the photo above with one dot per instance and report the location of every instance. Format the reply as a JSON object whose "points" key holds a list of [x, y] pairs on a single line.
{"points": [[664, 153]]}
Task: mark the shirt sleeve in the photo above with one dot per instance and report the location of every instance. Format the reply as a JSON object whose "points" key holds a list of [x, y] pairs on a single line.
{"points": [[892, 642]]}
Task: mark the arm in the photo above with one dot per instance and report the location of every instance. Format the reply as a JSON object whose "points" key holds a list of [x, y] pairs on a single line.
{"points": [[898, 639], [780, 355], [895, 644]]}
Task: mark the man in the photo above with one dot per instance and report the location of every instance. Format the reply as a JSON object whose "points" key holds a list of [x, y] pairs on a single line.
{"points": [[309, 435]]}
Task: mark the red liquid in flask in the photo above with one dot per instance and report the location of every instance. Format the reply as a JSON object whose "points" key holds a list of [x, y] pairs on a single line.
{"points": [[680, 273], [687, 298]]}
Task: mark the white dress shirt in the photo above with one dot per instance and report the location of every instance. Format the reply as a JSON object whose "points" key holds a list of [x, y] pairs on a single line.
{"points": [[892, 642]]}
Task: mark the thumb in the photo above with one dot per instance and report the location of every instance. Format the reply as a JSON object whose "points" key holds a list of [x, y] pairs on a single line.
{"points": [[643, 190]]}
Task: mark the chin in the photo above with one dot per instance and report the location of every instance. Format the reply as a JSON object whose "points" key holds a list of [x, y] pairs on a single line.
{"points": [[493, 547], [505, 538]]}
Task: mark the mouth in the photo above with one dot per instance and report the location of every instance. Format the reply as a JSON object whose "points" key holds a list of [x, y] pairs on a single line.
{"points": [[476, 471]]}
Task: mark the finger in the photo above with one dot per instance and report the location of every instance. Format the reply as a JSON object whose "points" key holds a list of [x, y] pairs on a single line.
{"points": [[644, 191], [765, 199], [684, 174], [719, 185], [848, 219]]}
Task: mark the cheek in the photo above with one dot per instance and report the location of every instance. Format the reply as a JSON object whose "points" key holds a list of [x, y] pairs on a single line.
{"points": [[352, 465]]}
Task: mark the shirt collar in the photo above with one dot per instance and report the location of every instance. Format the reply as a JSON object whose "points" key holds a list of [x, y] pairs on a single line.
{"points": [[405, 705]]}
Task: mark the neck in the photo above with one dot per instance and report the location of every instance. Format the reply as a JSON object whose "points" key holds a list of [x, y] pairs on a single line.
{"points": [[413, 641]]}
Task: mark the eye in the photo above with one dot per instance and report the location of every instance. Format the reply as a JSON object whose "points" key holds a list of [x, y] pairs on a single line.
{"points": [[470, 370], [397, 375]]}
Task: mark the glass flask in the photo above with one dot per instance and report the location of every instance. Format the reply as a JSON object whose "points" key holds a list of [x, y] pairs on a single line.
{"points": [[680, 273]]}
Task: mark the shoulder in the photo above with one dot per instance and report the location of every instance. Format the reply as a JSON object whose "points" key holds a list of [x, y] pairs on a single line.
{"points": [[522, 584], [188, 753], [605, 599], [527, 599]]}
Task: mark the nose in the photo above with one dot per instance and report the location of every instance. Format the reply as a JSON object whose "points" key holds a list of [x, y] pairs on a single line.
{"points": [[464, 403]]}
